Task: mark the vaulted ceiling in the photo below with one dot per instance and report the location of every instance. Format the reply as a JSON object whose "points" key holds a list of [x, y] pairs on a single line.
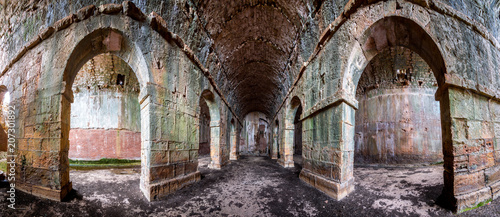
{"points": [[254, 40]]}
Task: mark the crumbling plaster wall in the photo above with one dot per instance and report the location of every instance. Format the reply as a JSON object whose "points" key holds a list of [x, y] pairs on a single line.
{"points": [[105, 114], [256, 133], [171, 76], [398, 119]]}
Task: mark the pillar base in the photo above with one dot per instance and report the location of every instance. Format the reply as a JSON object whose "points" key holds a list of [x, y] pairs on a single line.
{"points": [[234, 157], [274, 156], [495, 190], [44, 192], [214, 166], [472, 199], [158, 190], [331, 188], [286, 164]]}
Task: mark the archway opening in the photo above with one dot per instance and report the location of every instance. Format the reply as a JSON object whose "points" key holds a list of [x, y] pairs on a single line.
{"points": [[398, 122], [277, 139], [204, 134], [296, 109], [105, 124]]}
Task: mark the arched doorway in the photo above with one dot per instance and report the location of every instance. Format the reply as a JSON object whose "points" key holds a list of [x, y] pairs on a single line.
{"points": [[208, 98], [98, 42], [292, 135], [398, 121], [404, 36]]}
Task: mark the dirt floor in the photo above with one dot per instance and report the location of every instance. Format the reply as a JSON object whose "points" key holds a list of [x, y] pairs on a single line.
{"points": [[251, 186]]}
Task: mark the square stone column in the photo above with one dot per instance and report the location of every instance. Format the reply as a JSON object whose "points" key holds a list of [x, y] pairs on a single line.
{"points": [[169, 150], [274, 152], [286, 156], [234, 145], [328, 150], [42, 133], [470, 123], [215, 150]]}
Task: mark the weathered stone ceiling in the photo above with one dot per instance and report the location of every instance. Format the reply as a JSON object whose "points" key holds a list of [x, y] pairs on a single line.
{"points": [[254, 41]]}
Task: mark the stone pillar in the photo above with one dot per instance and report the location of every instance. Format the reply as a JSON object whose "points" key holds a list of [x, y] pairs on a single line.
{"points": [[471, 158], [169, 154], [233, 142], [42, 132], [328, 151], [274, 152], [215, 150], [286, 156], [234, 153]]}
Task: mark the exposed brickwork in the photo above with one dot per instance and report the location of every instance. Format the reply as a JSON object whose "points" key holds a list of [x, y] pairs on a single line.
{"points": [[94, 144]]}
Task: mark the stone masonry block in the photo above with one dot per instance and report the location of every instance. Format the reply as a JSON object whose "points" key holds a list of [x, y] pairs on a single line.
{"points": [[473, 198], [479, 161], [492, 174], [468, 182]]}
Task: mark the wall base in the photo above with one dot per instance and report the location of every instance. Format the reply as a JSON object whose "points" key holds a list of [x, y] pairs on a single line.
{"points": [[495, 190], [43, 192], [158, 190], [331, 188], [286, 164], [214, 166], [472, 199]]}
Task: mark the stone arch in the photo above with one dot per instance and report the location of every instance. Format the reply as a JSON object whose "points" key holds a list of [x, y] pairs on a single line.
{"points": [[287, 149], [395, 31], [215, 151], [103, 40], [390, 32]]}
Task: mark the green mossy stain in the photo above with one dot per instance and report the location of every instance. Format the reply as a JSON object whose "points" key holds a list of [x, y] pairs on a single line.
{"points": [[475, 207], [104, 163], [3, 166], [30, 27]]}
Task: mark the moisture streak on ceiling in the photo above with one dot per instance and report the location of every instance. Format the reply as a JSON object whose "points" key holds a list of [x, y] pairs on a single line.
{"points": [[254, 40]]}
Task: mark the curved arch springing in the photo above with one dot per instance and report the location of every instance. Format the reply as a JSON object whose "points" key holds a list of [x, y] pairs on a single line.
{"points": [[105, 40], [390, 32]]}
